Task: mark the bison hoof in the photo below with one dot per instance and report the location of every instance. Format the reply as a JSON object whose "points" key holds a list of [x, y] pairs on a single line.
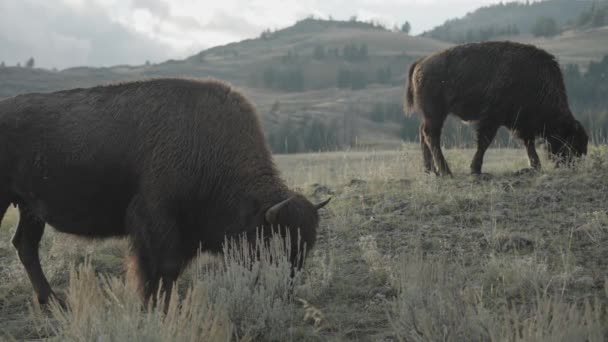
{"points": [[53, 298], [444, 174], [482, 176], [527, 171]]}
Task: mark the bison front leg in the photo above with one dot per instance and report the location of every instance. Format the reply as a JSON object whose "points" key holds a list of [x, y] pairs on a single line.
{"points": [[156, 258], [27, 240], [485, 135], [432, 136]]}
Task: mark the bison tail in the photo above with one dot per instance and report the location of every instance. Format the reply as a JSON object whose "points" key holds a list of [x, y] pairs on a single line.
{"points": [[409, 94]]}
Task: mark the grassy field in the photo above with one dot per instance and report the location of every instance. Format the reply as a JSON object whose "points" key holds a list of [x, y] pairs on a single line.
{"points": [[573, 47], [401, 256]]}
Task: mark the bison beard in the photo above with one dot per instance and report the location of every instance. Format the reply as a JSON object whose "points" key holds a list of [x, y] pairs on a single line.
{"points": [[175, 165], [494, 84]]}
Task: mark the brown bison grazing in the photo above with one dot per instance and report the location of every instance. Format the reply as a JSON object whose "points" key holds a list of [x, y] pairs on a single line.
{"points": [[494, 84], [173, 164]]}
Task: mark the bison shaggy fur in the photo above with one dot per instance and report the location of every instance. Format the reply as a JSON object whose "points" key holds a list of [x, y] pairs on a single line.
{"points": [[176, 165], [490, 85]]}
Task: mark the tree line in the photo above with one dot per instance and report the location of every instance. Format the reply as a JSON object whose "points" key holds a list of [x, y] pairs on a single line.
{"points": [[596, 16], [30, 63], [289, 75], [587, 94], [543, 26], [541, 18]]}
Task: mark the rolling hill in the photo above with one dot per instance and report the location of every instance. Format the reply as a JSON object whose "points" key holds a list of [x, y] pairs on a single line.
{"points": [[244, 64], [316, 73], [241, 63], [573, 46]]}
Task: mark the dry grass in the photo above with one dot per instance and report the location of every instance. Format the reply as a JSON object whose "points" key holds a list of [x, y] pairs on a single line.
{"points": [[400, 256], [238, 298], [101, 308], [439, 301]]}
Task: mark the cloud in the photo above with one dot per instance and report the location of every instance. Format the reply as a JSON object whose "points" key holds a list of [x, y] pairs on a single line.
{"points": [[187, 23], [71, 34], [62, 33], [156, 7], [232, 23]]}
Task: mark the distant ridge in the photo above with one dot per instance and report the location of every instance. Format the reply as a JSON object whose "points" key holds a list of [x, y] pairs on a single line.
{"points": [[510, 18]]}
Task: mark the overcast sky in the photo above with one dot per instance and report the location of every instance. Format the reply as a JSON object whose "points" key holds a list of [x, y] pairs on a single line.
{"points": [[66, 33]]}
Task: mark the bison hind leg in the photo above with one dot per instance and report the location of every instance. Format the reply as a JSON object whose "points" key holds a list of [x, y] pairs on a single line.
{"points": [[27, 240], [427, 157], [432, 136]]}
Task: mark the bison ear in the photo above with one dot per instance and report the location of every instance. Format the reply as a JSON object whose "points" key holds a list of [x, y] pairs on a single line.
{"points": [[322, 204], [273, 212]]}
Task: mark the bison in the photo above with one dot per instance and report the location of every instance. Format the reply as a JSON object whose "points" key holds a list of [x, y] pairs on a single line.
{"points": [[490, 85], [176, 165]]}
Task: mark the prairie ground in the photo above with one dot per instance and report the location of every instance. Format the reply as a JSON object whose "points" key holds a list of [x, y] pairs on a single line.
{"points": [[400, 256]]}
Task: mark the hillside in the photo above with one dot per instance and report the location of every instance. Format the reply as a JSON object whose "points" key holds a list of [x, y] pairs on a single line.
{"points": [[304, 84], [595, 16], [318, 84], [242, 63], [573, 46], [508, 19]]}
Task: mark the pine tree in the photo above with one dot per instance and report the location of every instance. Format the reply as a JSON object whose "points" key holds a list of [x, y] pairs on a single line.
{"points": [[406, 27], [545, 27], [319, 52]]}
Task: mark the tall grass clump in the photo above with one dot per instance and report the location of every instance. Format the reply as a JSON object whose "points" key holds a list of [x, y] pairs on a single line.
{"points": [[256, 286], [431, 305], [100, 308], [552, 319], [442, 301], [247, 296]]}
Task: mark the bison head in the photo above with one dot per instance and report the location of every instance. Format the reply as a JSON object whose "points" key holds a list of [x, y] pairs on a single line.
{"points": [[568, 141], [297, 217]]}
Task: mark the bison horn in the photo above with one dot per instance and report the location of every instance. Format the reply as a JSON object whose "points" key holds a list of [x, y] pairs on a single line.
{"points": [[322, 204], [271, 214]]}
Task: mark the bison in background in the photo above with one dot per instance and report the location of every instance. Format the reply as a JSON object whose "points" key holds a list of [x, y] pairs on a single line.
{"points": [[490, 85], [173, 164]]}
